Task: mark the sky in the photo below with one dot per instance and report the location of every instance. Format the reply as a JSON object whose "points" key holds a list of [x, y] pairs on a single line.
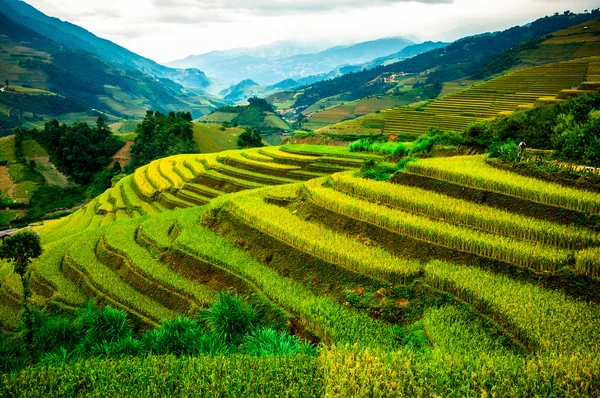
{"points": [[166, 30]]}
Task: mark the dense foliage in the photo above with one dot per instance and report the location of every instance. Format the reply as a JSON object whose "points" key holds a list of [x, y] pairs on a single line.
{"points": [[570, 128], [80, 151], [250, 139], [160, 136], [251, 115], [229, 326]]}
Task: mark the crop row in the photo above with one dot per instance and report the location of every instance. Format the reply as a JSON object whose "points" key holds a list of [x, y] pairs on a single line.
{"points": [[49, 267], [332, 321], [554, 322], [82, 257], [320, 240], [522, 253], [474, 172], [121, 238], [445, 208]]}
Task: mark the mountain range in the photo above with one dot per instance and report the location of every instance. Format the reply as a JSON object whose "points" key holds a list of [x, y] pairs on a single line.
{"points": [[77, 38], [287, 60]]}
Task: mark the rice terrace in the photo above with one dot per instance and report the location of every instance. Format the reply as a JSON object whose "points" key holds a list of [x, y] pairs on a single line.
{"points": [[387, 218]]}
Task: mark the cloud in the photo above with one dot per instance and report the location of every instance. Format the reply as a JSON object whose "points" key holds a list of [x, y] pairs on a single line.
{"points": [[280, 7]]}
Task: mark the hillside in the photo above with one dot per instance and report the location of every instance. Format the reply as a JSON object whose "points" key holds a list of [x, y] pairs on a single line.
{"points": [[455, 61], [47, 80], [216, 138], [257, 114], [414, 279], [77, 38]]}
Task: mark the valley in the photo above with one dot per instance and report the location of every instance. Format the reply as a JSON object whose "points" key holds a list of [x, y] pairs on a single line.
{"points": [[392, 217]]}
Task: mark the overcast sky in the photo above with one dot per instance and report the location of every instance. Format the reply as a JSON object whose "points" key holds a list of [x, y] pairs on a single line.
{"points": [[165, 30]]}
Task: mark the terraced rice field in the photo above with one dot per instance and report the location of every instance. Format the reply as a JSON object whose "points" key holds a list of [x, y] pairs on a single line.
{"points": [[487, 100], [407, 284], [94, 252]]}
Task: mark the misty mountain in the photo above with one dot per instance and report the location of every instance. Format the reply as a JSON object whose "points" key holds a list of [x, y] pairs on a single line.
{"points": [[77, 38], [72, 80], [269, 65], [408, 52], [457, 60]]}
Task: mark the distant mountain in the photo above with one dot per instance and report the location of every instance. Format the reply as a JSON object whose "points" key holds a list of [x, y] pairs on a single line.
{"points": [[278, 49], [460, 59], [77, 38], [408, 52], [48, 79], [270, 65], [241, 91]]}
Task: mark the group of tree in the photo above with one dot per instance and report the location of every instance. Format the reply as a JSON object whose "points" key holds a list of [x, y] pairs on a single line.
{"points": [[571, 129], [251, 115], [162, 135], [250, 139], [79, 151]]}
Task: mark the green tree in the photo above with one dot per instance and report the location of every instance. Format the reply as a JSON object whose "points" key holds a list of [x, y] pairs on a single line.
{"points": [[19, 249], [250, 139], [159, 136]]}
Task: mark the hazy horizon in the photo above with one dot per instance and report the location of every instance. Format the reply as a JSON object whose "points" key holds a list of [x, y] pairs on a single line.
{"points": [[167, 30]]}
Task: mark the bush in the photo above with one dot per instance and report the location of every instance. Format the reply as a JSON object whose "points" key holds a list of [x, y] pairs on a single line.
{"points": [[362, 145], [422, 145], [250, 139], [505, 151], [262, 342], [106, 325], [400, 150], [180, 336], [377, 171], [402, 164], [230, 318]]}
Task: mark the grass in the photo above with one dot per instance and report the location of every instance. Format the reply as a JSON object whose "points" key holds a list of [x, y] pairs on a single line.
{"points": [[31, 149], [319, 240], [438, 206], [474, 172], [525, 254], [98, 276], [325, 150], [121, 238], [212, 139], [332, 321]]}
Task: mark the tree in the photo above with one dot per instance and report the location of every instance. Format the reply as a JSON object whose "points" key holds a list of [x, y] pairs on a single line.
{"points": [[250, 139], [6, 82], [19, 249]]}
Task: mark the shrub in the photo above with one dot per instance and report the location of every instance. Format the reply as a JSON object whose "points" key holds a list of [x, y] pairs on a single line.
{"points": [[102, 325], [400, 150], [180, 336], [55, 333], [376, 171], [505, 151], [421, 145], [263, 342], [230, 318], [362, 145]]}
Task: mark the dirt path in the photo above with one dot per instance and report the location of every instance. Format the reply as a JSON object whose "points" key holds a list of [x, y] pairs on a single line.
{"points": [[123, 156], [7, 187]]}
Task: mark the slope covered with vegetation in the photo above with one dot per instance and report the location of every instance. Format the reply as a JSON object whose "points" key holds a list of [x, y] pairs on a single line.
{"points": [[417, 280], [257, 114], [460, 59], [46, 80]]}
